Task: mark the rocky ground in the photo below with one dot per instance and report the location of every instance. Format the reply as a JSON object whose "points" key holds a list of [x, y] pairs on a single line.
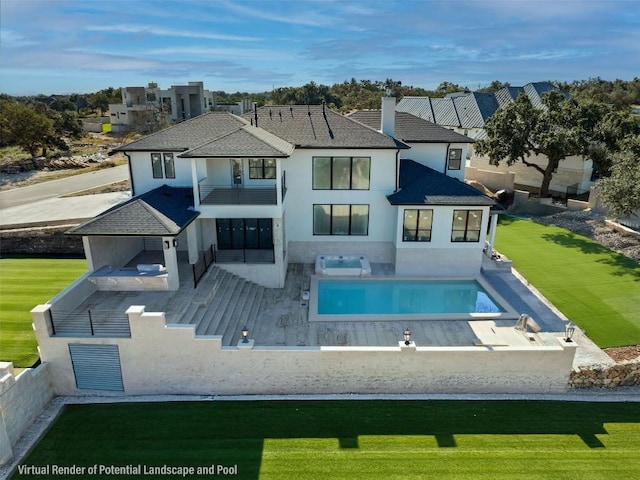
{"points": [[591, 225]]}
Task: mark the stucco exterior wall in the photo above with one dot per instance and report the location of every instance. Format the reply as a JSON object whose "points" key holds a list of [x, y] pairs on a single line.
{"points": [[113, 251], [492, 179], [571, 171], [22, 399], [434, 155], [199, 365], [306, 252], [140, 164]]}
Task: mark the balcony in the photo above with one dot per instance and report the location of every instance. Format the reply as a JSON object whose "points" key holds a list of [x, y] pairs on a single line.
{"points": [[238, 195]]}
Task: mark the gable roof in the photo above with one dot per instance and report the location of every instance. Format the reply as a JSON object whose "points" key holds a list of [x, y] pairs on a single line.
{"points": [[420, 185], [247, 141], [188, 134], [164, 211], [411, 129], [472, 109], [316, 126]]}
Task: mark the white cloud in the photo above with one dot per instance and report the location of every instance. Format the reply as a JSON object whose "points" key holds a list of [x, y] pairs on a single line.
{"points": [[165, 32]]}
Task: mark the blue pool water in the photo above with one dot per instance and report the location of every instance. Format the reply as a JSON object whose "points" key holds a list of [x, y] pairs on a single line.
{"points": [[409, 296]]}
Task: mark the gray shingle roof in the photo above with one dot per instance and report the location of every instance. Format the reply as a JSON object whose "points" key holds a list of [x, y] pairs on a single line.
{"points": [[164, 211], [420, 185], [247, 141], [189, 134], [315, 126], [412, 129]]}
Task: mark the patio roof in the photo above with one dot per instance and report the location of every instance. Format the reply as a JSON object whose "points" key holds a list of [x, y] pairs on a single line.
{"points": [[421, 185], [164, 211]]}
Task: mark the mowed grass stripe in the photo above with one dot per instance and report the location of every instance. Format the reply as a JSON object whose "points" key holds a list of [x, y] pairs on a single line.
{"points": [[594, 287], [355, 439], [25, 283]]}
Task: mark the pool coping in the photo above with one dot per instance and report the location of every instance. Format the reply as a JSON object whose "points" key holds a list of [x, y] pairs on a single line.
{"points": [[509, 314]]}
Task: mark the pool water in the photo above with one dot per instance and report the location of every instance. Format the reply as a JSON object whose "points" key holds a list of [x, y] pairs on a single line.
{"points": [[408, 296], [348, 262]]}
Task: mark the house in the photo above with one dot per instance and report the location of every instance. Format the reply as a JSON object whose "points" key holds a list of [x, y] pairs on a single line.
{"points": [[288, 183], [177, 103], [203, 282], [467, 113]]}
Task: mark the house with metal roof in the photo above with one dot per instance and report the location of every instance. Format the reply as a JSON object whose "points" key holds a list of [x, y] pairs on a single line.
{"points": [[467, 113]]}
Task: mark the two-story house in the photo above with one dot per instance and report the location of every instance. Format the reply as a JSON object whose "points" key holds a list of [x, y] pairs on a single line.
{"points": [[285, 184]]}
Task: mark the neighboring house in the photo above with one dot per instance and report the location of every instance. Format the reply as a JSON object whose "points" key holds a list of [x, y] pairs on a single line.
{"points": [[288, 183], [178, 103], [467, 113]]}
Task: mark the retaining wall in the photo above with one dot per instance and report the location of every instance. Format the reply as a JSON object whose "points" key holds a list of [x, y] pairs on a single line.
{"points": [[622, 374], [22, 399], [190, 364], [41, 240]]}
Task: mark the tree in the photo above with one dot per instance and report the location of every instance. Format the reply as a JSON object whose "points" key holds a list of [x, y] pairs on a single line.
{"points": [[562, 128], [494, 86], [23, 126], [621, 190]]}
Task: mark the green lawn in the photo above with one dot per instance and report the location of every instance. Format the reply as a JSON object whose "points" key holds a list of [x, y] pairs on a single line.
{"points": [[25, 283], [595, 288], [352, 439]]}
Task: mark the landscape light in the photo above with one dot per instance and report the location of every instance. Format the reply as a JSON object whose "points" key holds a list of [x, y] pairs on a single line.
{"points": [[569, 330], [245, 334], [407, 336]]}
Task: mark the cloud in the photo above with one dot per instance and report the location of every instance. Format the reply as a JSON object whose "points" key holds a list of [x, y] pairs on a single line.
{"points": [[150, 30]]}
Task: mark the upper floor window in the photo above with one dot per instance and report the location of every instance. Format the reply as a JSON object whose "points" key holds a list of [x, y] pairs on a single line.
{"points": [[341, 173], [341, 219], [455, 159], [163, 169], [262, 168], [417, 225], [466, 225]]}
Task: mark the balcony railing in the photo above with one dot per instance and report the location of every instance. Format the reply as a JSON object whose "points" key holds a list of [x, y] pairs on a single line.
{"points": [[237, 195]]}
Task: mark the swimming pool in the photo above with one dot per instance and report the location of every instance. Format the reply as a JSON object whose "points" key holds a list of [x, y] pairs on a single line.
{"points": [[389, 298]]}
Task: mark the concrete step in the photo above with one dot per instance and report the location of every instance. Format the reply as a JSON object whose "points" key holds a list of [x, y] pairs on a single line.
{"points": [[228, 315], [218, 304], [251, 320], [232, 331]]}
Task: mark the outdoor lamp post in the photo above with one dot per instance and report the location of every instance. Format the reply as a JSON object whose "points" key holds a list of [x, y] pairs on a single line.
{"points": [[569, 330], [245, 334], [407, 336]]}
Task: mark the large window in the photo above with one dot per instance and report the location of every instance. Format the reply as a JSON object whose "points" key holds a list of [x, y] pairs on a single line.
{"points": [[466, 225], [341, 173], [262, 168], [163, 171], [417, 225], [455, 159], [341, 219]]}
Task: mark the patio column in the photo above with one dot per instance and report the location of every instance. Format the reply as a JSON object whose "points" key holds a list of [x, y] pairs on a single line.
{"points": [[194, 181], [171, 262], [492, 232], [192, 242]]}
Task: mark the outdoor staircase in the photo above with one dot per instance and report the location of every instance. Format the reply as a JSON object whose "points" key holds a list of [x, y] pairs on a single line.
{"points": [[222, 305]]}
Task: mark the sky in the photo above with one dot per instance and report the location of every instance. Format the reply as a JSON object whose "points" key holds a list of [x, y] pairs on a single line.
{"points": [[82, 46]]}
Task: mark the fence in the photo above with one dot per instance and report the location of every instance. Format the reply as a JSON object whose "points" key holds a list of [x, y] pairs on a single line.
{"points": [[202, 265], [94, 323]]}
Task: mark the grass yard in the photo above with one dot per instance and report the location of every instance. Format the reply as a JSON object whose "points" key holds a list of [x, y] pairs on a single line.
{"points": [[594, 287], [350, 439], [25, 283]]}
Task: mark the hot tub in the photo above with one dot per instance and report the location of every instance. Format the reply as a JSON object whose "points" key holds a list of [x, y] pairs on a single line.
{"points": [[346, 265]]}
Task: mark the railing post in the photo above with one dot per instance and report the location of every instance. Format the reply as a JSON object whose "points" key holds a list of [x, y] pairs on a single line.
{"points": [[53, 327], [91, 323]]}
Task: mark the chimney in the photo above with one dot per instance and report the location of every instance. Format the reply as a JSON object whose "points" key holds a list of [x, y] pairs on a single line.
{"points": [[388, 115]]}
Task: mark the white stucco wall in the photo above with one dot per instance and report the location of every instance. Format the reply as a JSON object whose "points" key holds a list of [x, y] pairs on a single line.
{"points": [[113, 251], [143, 174], [189, 365], [435, 155], [440, 256]]}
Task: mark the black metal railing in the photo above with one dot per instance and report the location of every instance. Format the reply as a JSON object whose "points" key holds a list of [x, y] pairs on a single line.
{"points": [[203, 264], [246, 255], [90, 322]]}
